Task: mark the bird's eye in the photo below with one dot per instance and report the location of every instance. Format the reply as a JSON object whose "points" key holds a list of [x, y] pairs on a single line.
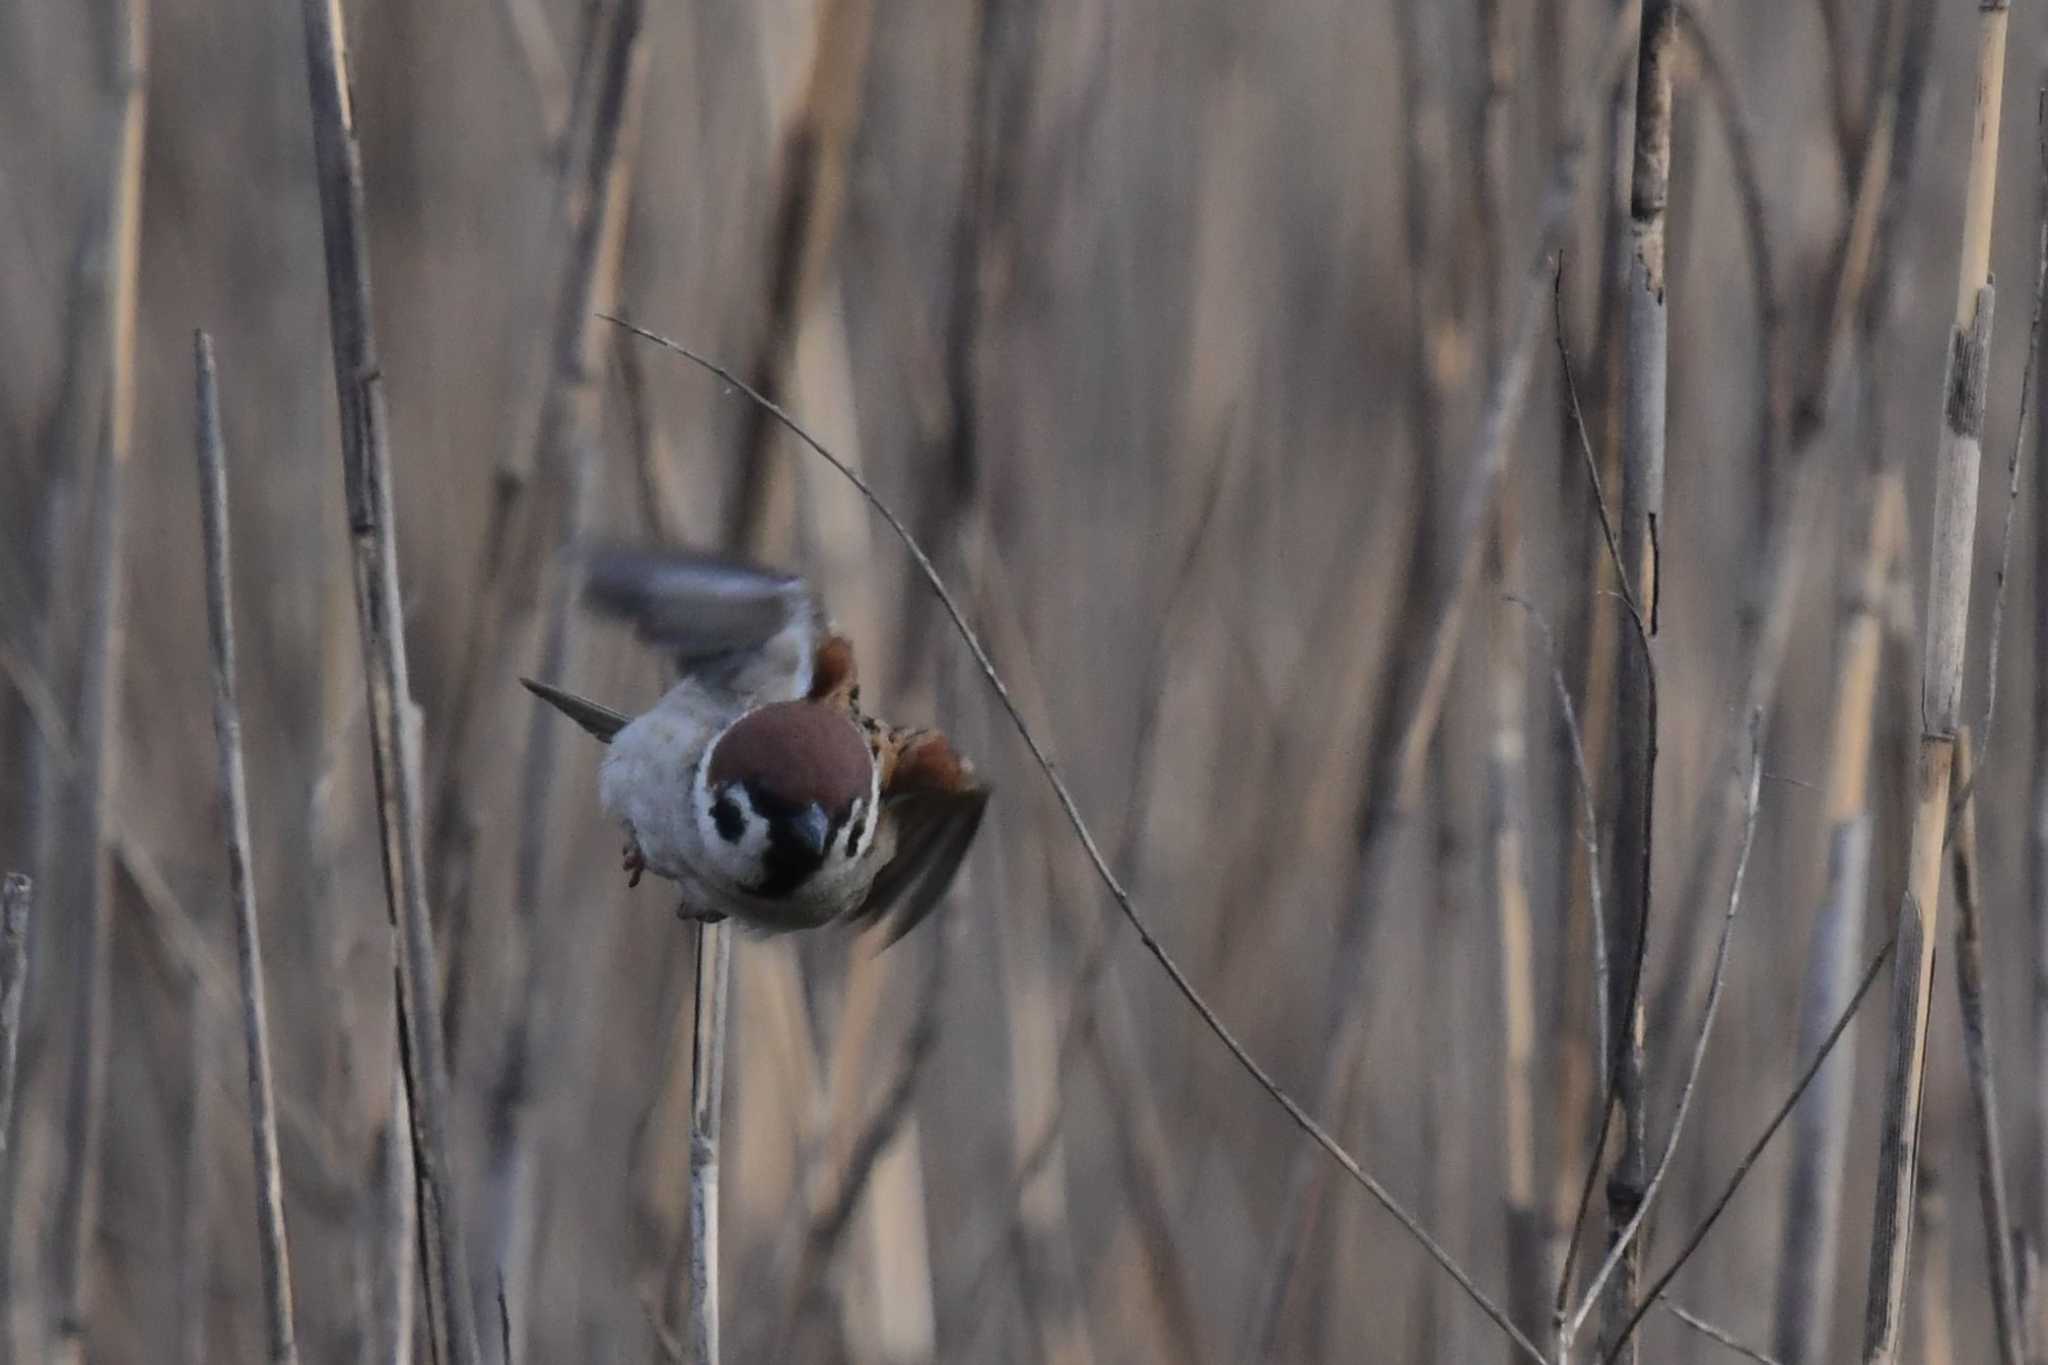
{"points": [[726, 815]]}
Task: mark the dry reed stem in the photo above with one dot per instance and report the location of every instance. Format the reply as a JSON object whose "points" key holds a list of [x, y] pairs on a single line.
{"points": [[1811, 1240], [514, 539], [17, 899], [707, 1088], [281, 1339], [1619, 1254], [1937, 1333], [395, 1241], [1508, 826], [1756, 1148], [366, 468], [1646, 339], [570, 440], [194, 1243], [803, 230], [1948, 599], [1179, 980], [116, 240], [1998, 1223], [1397, 788], [2037, 824]]}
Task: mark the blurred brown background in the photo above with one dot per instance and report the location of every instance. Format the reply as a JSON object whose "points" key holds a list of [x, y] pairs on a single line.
{"points": [[1167, 323]]}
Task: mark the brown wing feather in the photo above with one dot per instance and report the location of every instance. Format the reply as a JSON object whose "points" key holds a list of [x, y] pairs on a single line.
{"points": [[934, 805]]}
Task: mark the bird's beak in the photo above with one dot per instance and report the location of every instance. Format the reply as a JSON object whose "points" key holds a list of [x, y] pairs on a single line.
{"points": [[813, 829]]}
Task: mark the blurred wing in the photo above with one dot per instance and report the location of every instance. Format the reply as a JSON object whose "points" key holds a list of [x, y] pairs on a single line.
{"points": [[934, 830], [737, 625]]}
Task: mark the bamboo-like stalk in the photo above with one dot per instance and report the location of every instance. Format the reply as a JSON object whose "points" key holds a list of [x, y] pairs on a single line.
{"points": [[99, 693], [394, 1246], [2037, 824], [1948, 600], [1646, 339], [366, 469], [707, 1088], [1811, 1240], [1998, 1224], [281, 1338]]}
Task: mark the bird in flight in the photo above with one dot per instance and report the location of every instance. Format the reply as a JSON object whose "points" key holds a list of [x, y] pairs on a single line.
{"points": [[758, 784]]}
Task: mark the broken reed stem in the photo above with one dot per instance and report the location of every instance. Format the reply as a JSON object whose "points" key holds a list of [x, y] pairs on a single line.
{"points": [[17, 898], [1998, 1223], [1948, 601], [234, 796], [1811, 1238], [117, 239], [394, 738], [1646, 338], [707, 1086]]}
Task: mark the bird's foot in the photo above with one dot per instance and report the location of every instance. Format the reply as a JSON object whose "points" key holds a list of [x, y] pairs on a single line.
{"points": [[689, 915], [635, 861]]}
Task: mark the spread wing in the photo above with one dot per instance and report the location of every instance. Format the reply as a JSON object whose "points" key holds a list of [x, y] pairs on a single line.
{"points": [[752, 630], [934, 805]]}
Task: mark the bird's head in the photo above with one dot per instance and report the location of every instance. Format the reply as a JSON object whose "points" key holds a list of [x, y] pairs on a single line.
{"points": [[784, 793]]}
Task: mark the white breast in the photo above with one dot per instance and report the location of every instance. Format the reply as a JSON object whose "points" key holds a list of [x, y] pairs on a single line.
{"points": [[648, 771]]}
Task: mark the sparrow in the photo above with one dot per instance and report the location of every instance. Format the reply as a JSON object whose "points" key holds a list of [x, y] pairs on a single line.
{"points": [[757, 784]]}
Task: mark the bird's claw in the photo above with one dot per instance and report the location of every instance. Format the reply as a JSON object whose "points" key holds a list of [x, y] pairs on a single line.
{"points": [[687, 915], [635, 861]]}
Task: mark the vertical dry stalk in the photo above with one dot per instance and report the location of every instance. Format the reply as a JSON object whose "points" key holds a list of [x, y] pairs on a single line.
{"points": [[569, 447], [1937, 1344], [194, 1232], [804, 228], [90, 829], [1941, 685], [1812, 1244], [707, 1087], [394, 1248], [1507, 808], [1646, 338], [1398, 786], [1998, 1224], [2037, 825], [366, 471], [234, 795], [16, 899]]}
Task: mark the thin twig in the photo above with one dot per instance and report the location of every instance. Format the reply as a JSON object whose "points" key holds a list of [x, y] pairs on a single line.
{"points": [[234, 796], [1628, 1233], [1998, 1223], [1714, 1334], [1182, 985], [394, 733]]}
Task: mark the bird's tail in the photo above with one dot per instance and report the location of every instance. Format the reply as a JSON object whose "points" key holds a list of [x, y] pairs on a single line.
{"points": [[598, 719]]}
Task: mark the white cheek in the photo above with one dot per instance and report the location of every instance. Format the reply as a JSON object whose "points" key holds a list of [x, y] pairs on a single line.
{"points": [[742, 861]]}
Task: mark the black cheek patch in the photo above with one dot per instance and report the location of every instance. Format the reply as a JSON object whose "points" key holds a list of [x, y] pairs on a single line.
{"points": [[726, 815], [853, 838]]}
